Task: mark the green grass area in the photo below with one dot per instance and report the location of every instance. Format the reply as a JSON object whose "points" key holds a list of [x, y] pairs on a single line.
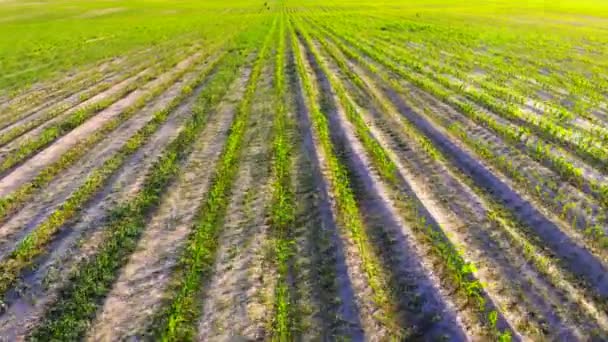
{"points": [[39, 40], [566, 37]]}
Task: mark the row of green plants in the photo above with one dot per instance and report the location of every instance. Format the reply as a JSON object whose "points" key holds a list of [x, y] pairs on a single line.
{"points": [[544, 189], [282, 207], [564, 207], [585, 142], [348, 214], [178, 322], [33, 244], [504, 65], [26, 148], [461, 271], [510, 97], [561, 203], [20, 105], [438, 92], [458, 49], [29, 98], [13, 112], [567, 171], [517, 233], [16, 199], [78, 301], [457, 66], [49, 134], [501, 216], [317, 261], [380, 158]]}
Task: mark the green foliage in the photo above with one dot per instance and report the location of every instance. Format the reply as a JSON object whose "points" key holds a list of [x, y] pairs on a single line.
{"points": [[515, 135], [530, 75], [282, 207], [42, 40]]}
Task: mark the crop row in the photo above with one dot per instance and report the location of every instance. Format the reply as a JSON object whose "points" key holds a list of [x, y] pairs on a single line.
{"points": [[179, 320], [521, 70], [347, 211], [444, 88], [13, 201], [282, 208]]}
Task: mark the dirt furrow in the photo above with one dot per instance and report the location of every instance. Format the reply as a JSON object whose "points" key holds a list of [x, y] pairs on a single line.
{"points": [[80, 238], [140, 288], [239, 296], [30, 168]]}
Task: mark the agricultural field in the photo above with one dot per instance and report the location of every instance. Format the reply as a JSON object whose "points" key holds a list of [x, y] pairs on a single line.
{"points": [[304, 170]]}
